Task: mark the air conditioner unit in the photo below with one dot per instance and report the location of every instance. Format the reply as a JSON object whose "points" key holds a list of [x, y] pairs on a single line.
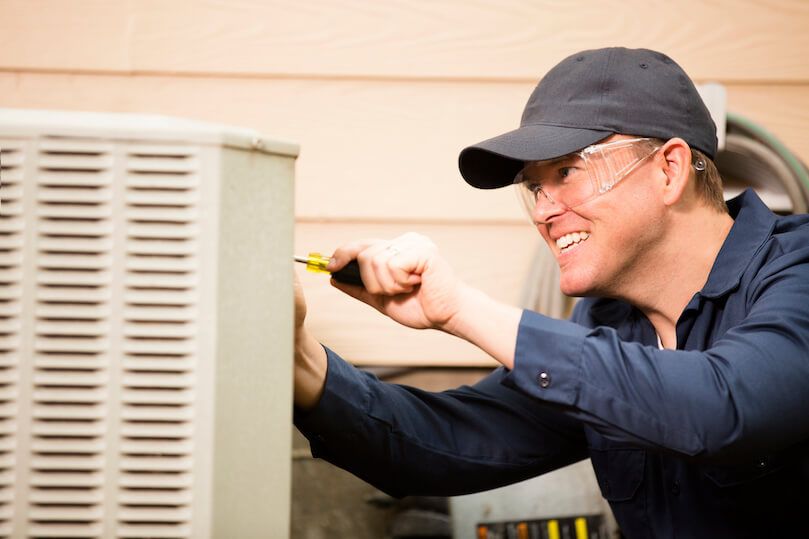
{"points": [[146, 320]]}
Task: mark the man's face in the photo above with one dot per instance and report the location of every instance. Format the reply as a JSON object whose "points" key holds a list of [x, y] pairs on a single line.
{"points": [[601, 244]]}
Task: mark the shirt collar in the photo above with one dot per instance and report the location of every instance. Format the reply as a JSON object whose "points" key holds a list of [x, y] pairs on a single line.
{"points": [[753, 224]]}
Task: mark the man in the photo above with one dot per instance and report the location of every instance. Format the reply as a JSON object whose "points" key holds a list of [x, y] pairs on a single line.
{"points": [[683, 374]]}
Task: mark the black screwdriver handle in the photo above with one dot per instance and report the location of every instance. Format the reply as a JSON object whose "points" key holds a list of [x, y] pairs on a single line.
{"points": [[349, 274]]}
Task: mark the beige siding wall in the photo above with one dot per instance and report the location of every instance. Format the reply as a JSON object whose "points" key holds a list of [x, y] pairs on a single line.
{"points": [[382, 95]]}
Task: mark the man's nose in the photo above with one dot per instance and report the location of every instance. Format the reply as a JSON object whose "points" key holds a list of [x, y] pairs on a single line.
{"points": [[546, 207]]}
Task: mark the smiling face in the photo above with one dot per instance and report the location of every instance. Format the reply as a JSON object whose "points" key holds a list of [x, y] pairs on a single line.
{"points": [[601, 244]]}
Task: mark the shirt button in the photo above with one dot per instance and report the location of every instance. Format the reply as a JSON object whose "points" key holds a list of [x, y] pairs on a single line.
{"points": [[675, 488], [544, 379]]}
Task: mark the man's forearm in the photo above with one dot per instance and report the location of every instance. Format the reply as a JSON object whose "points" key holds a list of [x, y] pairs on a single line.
{"points": [[488, 324], [310, 369]]}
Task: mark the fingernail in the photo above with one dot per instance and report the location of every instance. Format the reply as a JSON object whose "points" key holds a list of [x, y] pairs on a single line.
{"points": [[332, 262]]}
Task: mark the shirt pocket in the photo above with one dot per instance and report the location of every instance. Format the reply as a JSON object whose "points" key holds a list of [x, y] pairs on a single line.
{"points": [[740, 475], [619, 472]]}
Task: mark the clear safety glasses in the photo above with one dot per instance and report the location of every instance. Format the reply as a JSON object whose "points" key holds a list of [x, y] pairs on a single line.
{"points": [[577, 178]]}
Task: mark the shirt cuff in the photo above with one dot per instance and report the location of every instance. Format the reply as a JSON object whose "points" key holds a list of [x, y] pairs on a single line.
{"points": [[345, 398], [548, 359]]}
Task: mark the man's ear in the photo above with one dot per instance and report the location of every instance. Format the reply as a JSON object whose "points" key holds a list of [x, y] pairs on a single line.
{"points": [[676, 156]]}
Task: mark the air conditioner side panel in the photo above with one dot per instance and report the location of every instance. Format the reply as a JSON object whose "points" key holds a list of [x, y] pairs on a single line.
{"points": [[253, 417]]}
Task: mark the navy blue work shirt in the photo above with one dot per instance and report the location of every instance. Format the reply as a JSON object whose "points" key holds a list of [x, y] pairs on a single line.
{"points": [[709, 440]]}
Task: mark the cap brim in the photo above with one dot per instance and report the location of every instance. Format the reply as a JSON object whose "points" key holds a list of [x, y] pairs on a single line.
{"points": [[495, 162]]}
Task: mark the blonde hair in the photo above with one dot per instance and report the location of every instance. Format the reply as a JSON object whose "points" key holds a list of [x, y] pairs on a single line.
{"points": [[707, 181]]}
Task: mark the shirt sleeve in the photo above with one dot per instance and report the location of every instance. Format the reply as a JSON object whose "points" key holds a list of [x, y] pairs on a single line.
{"points": [[406, 441], [746, 395]]}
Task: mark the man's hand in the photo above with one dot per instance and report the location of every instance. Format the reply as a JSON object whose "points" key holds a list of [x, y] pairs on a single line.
{"points": [[405, 279]]}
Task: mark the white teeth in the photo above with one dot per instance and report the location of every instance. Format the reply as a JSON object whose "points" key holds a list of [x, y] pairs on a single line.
{"points": [[569, 239]]}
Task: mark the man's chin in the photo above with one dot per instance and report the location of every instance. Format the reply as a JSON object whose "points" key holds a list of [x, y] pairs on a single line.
{"points": [[576, 286], [575, 291]]}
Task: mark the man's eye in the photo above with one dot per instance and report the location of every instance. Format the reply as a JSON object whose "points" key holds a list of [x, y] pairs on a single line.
{"points": [[565, 172]]}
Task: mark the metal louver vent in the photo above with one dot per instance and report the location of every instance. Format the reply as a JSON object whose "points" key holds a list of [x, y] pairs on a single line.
{"points": [[136, 346], [69, 409], [159, 340], [11, 229], [97, 463]]}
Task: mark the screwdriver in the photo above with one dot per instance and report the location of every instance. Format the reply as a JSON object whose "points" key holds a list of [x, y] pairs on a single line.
{"points": [[316, 263]]}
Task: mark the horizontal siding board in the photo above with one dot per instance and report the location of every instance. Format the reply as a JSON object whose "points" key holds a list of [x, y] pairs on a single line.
{"points": [[88, 34], [782, 110], [499, 39], [369, 150]]}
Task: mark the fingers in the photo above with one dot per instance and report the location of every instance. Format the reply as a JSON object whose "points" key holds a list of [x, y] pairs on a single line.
{"points": [[405, 268], [387, 267], [381, 270], [348, 252]]}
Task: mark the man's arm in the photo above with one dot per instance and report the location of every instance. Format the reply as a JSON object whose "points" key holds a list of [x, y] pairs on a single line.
{"points": [[310, 357], [310, 369], [407, 280], [406, 441], [743, 397]]}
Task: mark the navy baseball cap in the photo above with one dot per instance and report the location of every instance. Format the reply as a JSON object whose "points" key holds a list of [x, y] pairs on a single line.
{"points": [[587, 97]]}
